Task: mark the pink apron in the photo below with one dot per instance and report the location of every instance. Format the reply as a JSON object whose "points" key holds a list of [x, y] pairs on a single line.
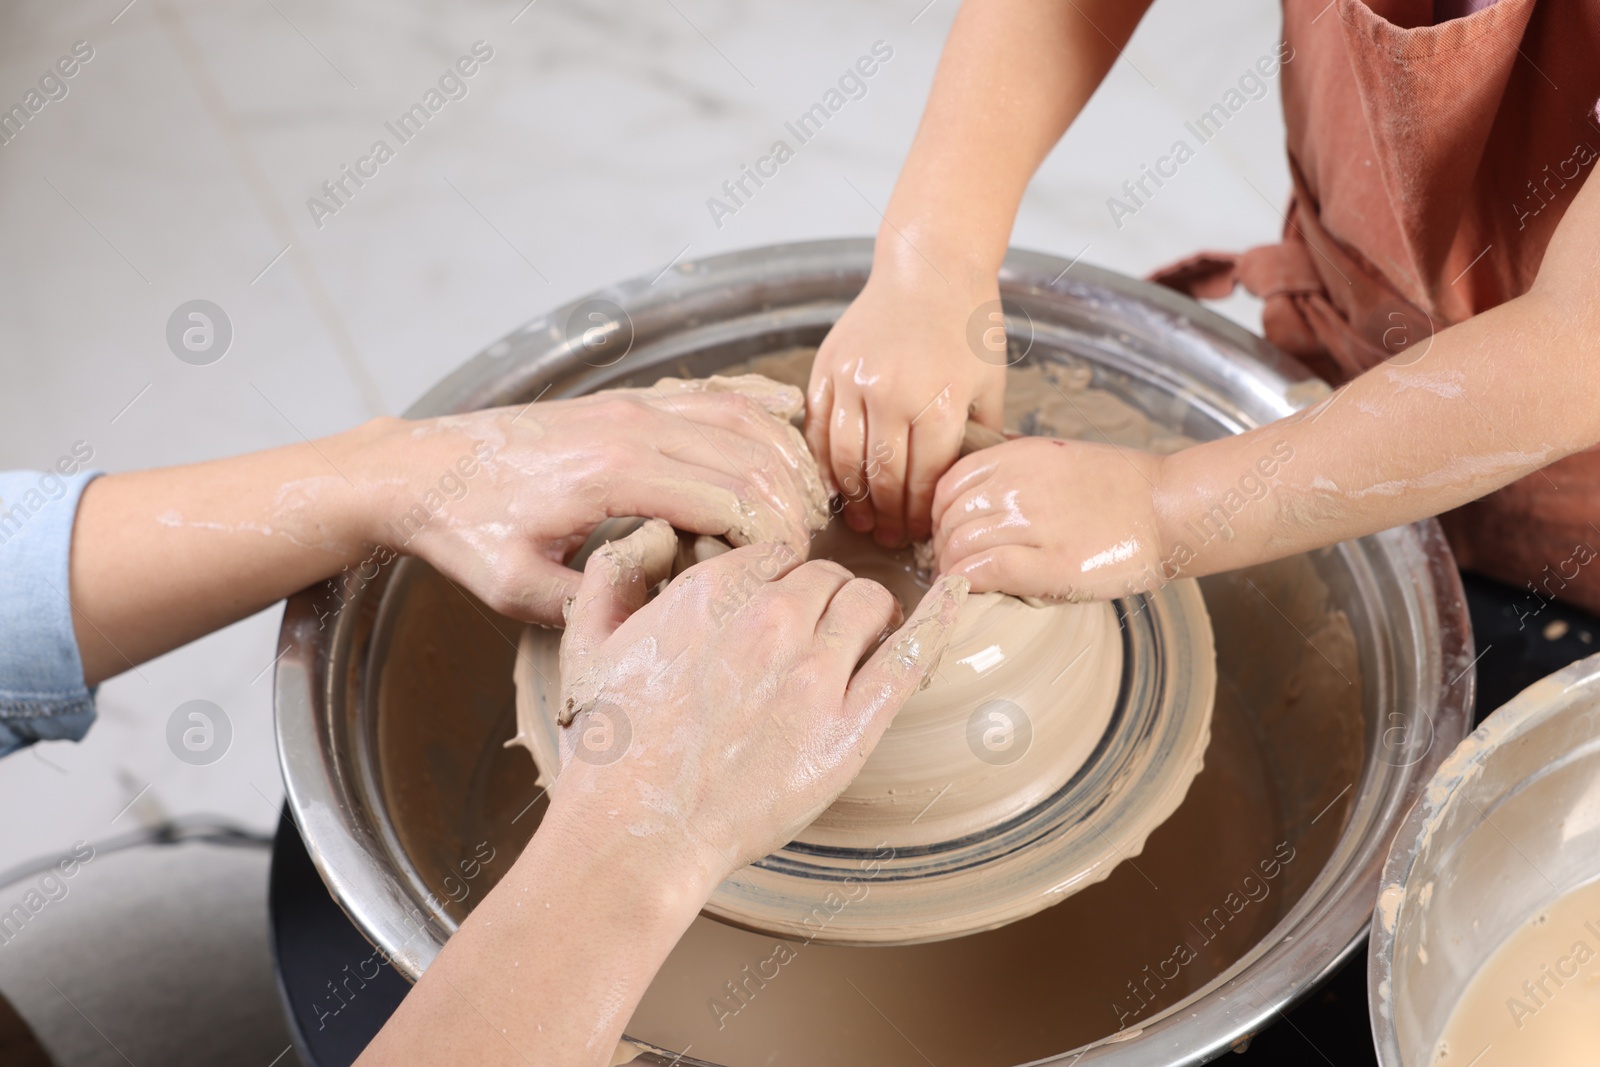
{"points": [[1431, 163]]}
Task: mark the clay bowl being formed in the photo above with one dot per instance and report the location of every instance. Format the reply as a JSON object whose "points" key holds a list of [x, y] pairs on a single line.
{"points": [[1050, 742], [1343, 677]]}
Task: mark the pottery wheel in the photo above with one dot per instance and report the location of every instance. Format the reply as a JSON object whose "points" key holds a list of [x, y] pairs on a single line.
{"points": [[1049, 744]]}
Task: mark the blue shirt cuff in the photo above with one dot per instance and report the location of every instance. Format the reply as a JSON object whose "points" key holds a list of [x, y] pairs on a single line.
{"points": [[42, 695]]}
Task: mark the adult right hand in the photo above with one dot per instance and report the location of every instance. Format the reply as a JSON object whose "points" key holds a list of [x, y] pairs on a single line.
{"points": [[746, 716], [893, 386], [745, 710]]}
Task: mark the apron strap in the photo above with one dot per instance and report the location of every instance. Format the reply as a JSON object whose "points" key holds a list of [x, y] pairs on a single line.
{"points": [[1324, 304]]}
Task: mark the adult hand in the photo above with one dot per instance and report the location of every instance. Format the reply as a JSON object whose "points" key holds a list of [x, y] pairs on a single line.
{"points": [[892, 388], [745, 712], [500, 499], [1059, 520], [746, 715]]}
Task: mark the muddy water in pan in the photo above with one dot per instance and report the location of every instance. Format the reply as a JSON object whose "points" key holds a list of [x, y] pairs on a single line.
{"points": [[1252, 833], [1254, 830]]}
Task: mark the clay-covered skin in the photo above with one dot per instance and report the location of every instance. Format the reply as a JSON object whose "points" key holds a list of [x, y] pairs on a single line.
{"points": [[737, 601], [745, 715], [784, 402], [1476, 406], [1287, 742], [1000, 649], [629, 569], [497, 500], [891, 391], [922, 348]]}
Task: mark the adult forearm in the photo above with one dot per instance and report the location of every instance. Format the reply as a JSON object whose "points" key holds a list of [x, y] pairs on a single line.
{"points": [[495, 500], [1484, 403], [549, 968], [1013, 76], [162, 557]]}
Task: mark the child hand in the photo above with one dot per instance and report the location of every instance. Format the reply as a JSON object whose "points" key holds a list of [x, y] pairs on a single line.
{"points": [[891, 391], [1059, 520]]}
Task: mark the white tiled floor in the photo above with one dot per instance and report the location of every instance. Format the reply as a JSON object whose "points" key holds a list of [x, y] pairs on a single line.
{"points": [[180, 163]]}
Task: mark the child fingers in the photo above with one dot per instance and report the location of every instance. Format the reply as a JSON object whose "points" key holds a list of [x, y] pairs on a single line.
{"points": [[932, 448]]}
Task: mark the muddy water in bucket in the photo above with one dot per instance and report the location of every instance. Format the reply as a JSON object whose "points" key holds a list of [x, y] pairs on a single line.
{"points": [[1251, 834]]}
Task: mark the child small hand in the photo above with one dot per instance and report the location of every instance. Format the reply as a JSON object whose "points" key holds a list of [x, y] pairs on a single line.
{"points": [[1059, 520], [891, 391]]}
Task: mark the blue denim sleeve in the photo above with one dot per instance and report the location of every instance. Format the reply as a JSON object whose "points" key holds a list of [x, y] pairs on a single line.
{"points": [[42, 695]]}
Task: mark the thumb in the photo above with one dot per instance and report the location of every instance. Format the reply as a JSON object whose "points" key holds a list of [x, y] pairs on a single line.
{"points": [[616, 582], [904, 662]]}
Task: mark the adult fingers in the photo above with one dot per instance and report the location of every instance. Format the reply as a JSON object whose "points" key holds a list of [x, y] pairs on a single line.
{"points": [[813, 585], [782, 401], [857, 619], [757, 434], [752, 565], [529, 586], [703, 500], [642, 418], [903, 662], [755, 469], [728, 583], [740, 413], [616, 582]]}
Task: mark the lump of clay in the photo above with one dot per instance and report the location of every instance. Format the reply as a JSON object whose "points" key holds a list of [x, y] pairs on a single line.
{"points": [[1034, 760], [1050, 742]]}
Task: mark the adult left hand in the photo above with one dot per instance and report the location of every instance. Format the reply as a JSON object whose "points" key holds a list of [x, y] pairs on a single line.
{"points": [[500, 499]]}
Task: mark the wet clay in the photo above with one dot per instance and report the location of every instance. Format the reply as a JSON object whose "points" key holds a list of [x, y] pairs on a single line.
{"points": [[780, 399], [641, 560], [1537, 998], [1058, 666], [1049, 399], [1210, 883], [1023, 696], [1002, 650], [1253, 831], [1104, 960], [964, 817]]}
